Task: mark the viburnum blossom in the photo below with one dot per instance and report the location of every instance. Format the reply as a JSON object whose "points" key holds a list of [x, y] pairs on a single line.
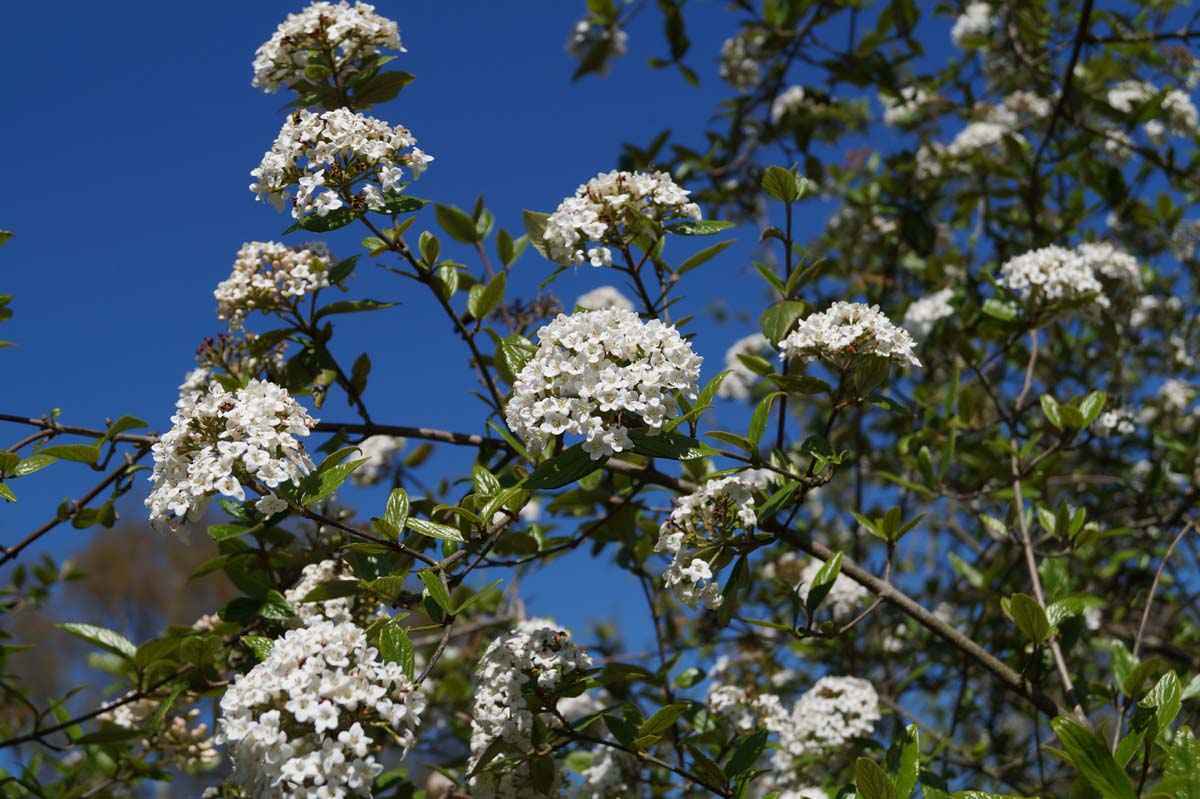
{"points": [[222, 441], [599, 374], [339, 610], [1052, 274], [923, 314], [741, 59], [612, 774], [268, 275], [699, 521], [537, 654], [195, 382], [790, 101], [610, 209], [849, 329], [336, 158], [604, 298], [179, 740], [740, 378], [829, 715], [973, 28], [349, 33], [305, 723], [1177, 114], [1109, 263], [905, 107], [379, 452], [977, 137]]}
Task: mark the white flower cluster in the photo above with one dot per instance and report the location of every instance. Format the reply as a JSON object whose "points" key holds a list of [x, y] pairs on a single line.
{"points": [[535, 652], [701, 520], [1109, 263], [740, 378], [612, 774], [923, 314], [379, 452], [974, 27], [790, 101], [1055, 275], [1177, 115], [607, 210], [220, 441], [302, 723], [597, 374], [906, 107], [1115, 423], [187, 748], [829, 715], [351, 32], [339, 610], [741, 59], [327, 156], [977, 137], [268, 275], [586, 37], [848, 329], [1149, 307], [604, 298], [1176, 395], [195, 382]]}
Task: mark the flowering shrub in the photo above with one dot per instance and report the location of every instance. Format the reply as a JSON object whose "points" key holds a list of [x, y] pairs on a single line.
{"points": [[853, 568]]}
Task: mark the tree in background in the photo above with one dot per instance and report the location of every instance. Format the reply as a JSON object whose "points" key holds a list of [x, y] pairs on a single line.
{"points": [[951, 551]]}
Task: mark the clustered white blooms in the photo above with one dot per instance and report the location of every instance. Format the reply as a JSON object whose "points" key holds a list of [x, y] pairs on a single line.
{"points": [[334, 158], [1176, 395], [699, 521], [339, 610], [608, 210], [379, 452], [906, 107], [740, 378], [604, 298], [741, 59], [1149, 306], [195, 382], [1177, 115], [188, 748], [829, 715], [848, 329], [350, 32], [302, 723], [1115, 423], [790, 101], [268, 275], [977, 137], [1056, 274], [536, 652], [923, 314], [612, 774], [598, 374], [974, 26], [221, 441]]}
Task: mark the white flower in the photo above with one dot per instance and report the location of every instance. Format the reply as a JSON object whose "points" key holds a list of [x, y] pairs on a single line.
{"points": [[302, 723], [741, 59], [350, 32], [1176, 395], [1109, 263], [1052, 274], [221, 441], [604, 298], [978, 136], [1118, 423], [612, 774], [904, 108], [538, 655], [379, 452], [339, 610], [606, 210], [706, 517], [1177, 114], [195, 382], [848, 329], [597, 374], [268, 275], [923, 314], [738, 382], [973, 28], [790, 101], [346, 157], [828, 716]]}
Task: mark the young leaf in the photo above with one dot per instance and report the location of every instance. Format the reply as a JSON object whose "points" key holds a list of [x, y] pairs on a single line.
{"points": [[1092, 760]]}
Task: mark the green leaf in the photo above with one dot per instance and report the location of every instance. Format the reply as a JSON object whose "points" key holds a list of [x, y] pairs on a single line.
{"points": [[1053, 411], [402, 204], [670, 444], [104, 638], [435, 530], [435, 589], [703, 257], [351, 306], [1166, 697], [566, 467], [330, 480], [482, 300], [760, 417], [705, 227], [784, 184], [337, 218], [474, 598], [396, 513], [381, 88], [457, 223], [79, 453], [822, 583], [746, 754], [778, 320], [31, 464], [903, 761], [1029, 617], [260, 645], [872, 781], [999, 309], [1092, 760], [535, 228], [7, 493], [662, 720], [223, 532], [395, 647]]}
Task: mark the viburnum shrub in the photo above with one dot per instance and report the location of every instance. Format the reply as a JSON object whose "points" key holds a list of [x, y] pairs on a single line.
{"points": [[928, 528]]}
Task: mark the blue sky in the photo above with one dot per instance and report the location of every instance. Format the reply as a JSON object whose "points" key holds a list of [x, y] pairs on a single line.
{"points": [[134, 128]]}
